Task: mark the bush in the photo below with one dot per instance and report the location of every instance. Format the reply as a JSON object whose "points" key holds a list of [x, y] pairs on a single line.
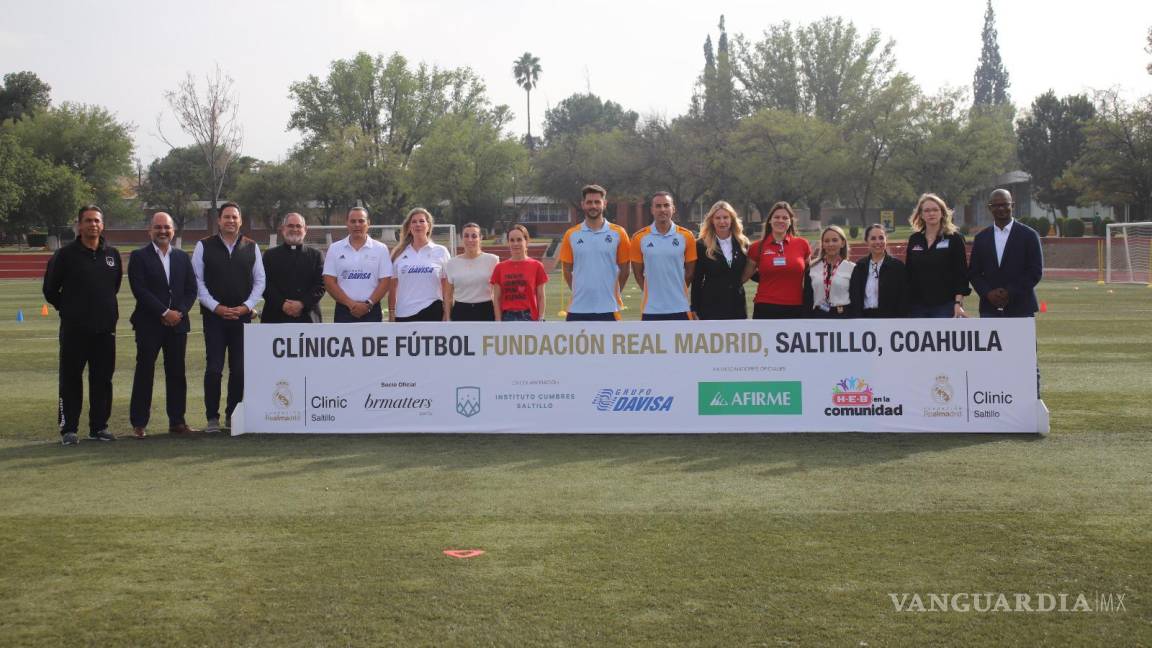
{"points": [[37, 239], [965, 229], [854, 231], [1061, 225], [1074, 228]]}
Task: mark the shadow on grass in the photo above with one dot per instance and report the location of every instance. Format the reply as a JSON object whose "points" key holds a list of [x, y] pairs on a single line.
{"points": [[283, 455]]}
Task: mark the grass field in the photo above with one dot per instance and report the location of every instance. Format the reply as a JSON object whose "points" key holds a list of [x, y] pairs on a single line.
{"points": [[710, 540]]}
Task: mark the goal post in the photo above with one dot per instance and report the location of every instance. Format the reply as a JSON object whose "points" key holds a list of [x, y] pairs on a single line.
{"points": [[322, 236], [1127, 251]]}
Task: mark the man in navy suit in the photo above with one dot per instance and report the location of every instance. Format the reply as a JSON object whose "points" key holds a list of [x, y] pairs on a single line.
{"points": [[164, 285], [1006, 263]]}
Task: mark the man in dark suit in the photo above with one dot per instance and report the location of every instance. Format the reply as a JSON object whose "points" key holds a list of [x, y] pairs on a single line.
{"points": [[295, 275], [1006, 263], [164, 285]]}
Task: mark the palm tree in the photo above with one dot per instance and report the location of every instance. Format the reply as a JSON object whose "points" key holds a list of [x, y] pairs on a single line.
{"points": [[527, 71]]}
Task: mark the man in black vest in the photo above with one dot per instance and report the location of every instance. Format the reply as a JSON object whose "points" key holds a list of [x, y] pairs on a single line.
{"points": [[295, 277], [82, 280], [229, 282], [164, 285]]}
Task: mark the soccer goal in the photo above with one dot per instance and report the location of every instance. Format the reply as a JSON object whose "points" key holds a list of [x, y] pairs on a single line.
{"points": [[1127, 249], [322, 236]]}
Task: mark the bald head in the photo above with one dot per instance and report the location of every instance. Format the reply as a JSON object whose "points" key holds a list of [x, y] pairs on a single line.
{"points": [[293, 228], [161, 229], [1000, 204]]}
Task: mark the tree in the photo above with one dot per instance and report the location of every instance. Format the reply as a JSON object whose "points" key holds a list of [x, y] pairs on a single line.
{"points": [[466, 162], [680, 156], [212, 121], [580, 114], [1149, 49], [527, 71], [827, 71], [782, 155], [990, 83], [23, 94], [1115, 165], [716, 97], [87, 140], [372, 113], [875, 137], [272, 190], [568, 163], [173, 182], [1051, 137], [952, 151]]}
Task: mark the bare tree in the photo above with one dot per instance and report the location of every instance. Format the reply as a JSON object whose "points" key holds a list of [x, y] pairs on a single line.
{"points": [[211, 119]]}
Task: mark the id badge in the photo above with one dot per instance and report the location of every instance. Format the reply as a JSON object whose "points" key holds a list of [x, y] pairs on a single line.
{"points": [[779, 262], [942, 245]]}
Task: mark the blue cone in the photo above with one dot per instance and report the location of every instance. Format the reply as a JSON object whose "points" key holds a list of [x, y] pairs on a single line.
{"points": [[20, 315]]}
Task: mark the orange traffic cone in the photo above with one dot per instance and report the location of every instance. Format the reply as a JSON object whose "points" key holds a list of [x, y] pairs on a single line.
{"points": [[1043, 307], [44, 310]]}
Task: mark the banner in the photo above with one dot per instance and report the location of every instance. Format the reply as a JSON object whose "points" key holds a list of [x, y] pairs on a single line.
{"points": [[911, 375]]}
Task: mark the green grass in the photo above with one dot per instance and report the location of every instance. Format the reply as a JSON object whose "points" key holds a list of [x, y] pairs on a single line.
{"points": [[721, 540]]}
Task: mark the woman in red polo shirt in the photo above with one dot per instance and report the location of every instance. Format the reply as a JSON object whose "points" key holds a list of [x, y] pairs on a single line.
{"points": [[781, 259]]}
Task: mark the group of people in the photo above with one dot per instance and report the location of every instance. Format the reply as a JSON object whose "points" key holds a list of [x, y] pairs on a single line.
{"points": [[702, 277], [683, 276], [228, 276]]}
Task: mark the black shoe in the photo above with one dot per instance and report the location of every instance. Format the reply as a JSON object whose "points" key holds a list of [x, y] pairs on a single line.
{"points": [[102, 435], [69, 439]]}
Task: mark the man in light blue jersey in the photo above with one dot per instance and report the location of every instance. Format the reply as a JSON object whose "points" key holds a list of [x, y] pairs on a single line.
{"points": [[594, 255], [663, 256]]}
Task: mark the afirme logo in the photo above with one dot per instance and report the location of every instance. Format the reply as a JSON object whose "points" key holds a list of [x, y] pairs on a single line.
{"points": [[984, 602], [749, 398]]}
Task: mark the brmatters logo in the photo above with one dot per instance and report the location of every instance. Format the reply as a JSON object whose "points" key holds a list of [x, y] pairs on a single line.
{"points": [[467, 401], [749, 398], [282, 399], [631, 399], [853, 396], [944, 395]]}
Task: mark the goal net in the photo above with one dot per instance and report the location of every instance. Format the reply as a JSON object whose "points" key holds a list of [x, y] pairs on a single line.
{"points": [[1127, 249], [322, 236]]}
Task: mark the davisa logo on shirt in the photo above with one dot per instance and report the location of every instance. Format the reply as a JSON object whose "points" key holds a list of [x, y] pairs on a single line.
{"points": [[631, 399]]}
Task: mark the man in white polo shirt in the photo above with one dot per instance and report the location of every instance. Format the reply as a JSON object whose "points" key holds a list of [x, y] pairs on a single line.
{"points": [[356, 272], [595, 257]]}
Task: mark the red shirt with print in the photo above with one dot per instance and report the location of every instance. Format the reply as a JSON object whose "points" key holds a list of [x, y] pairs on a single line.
{"points": [[518, 281]]}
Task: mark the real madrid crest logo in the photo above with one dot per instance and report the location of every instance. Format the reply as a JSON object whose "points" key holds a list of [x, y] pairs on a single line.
{"points": [[110, 261], [283, 394], [942, 390]]}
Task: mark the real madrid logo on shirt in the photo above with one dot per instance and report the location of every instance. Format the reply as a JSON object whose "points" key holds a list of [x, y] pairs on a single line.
{"points": [[608, 239], [110, 261], [676, 242]]}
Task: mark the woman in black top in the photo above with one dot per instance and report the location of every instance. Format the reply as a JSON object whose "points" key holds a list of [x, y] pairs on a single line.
{"points": [[879, 284], [721, 252], [936, 262]]}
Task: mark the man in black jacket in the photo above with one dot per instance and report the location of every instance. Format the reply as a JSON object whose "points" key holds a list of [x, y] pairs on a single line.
{"points": [[81, 282], [164, 285], [229, 283], [1007, 262], [295, 276]]}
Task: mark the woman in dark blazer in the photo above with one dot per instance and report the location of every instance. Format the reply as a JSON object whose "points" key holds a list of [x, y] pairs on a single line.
{"points": [[879, 284], [721, 252]]}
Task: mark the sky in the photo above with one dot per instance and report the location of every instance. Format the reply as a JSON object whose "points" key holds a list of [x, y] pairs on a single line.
{"points": [[645, 55]]}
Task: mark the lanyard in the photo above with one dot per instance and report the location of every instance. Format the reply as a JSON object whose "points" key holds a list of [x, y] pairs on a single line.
{"points": [[829, 270]]}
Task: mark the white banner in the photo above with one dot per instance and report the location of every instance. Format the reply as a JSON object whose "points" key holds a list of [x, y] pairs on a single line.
{"points": [[922, 375]]}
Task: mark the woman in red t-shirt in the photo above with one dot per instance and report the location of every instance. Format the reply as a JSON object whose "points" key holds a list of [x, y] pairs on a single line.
{"points": [[781, 259], [518, 283]]}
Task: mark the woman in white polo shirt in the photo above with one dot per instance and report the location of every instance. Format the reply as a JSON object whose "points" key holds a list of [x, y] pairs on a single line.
{"points": [[468, 294], [418, 280]]}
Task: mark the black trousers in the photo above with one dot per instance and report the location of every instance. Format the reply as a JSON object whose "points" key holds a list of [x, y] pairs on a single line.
{"points": [[478, 312], [434, 312], [223, 337], [663, 317], [344, 316], [590, 317], [97, 351], [149, 342]]}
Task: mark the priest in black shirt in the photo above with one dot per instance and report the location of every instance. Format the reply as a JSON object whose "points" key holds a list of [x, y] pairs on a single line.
{"points": [[295, 275]]}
